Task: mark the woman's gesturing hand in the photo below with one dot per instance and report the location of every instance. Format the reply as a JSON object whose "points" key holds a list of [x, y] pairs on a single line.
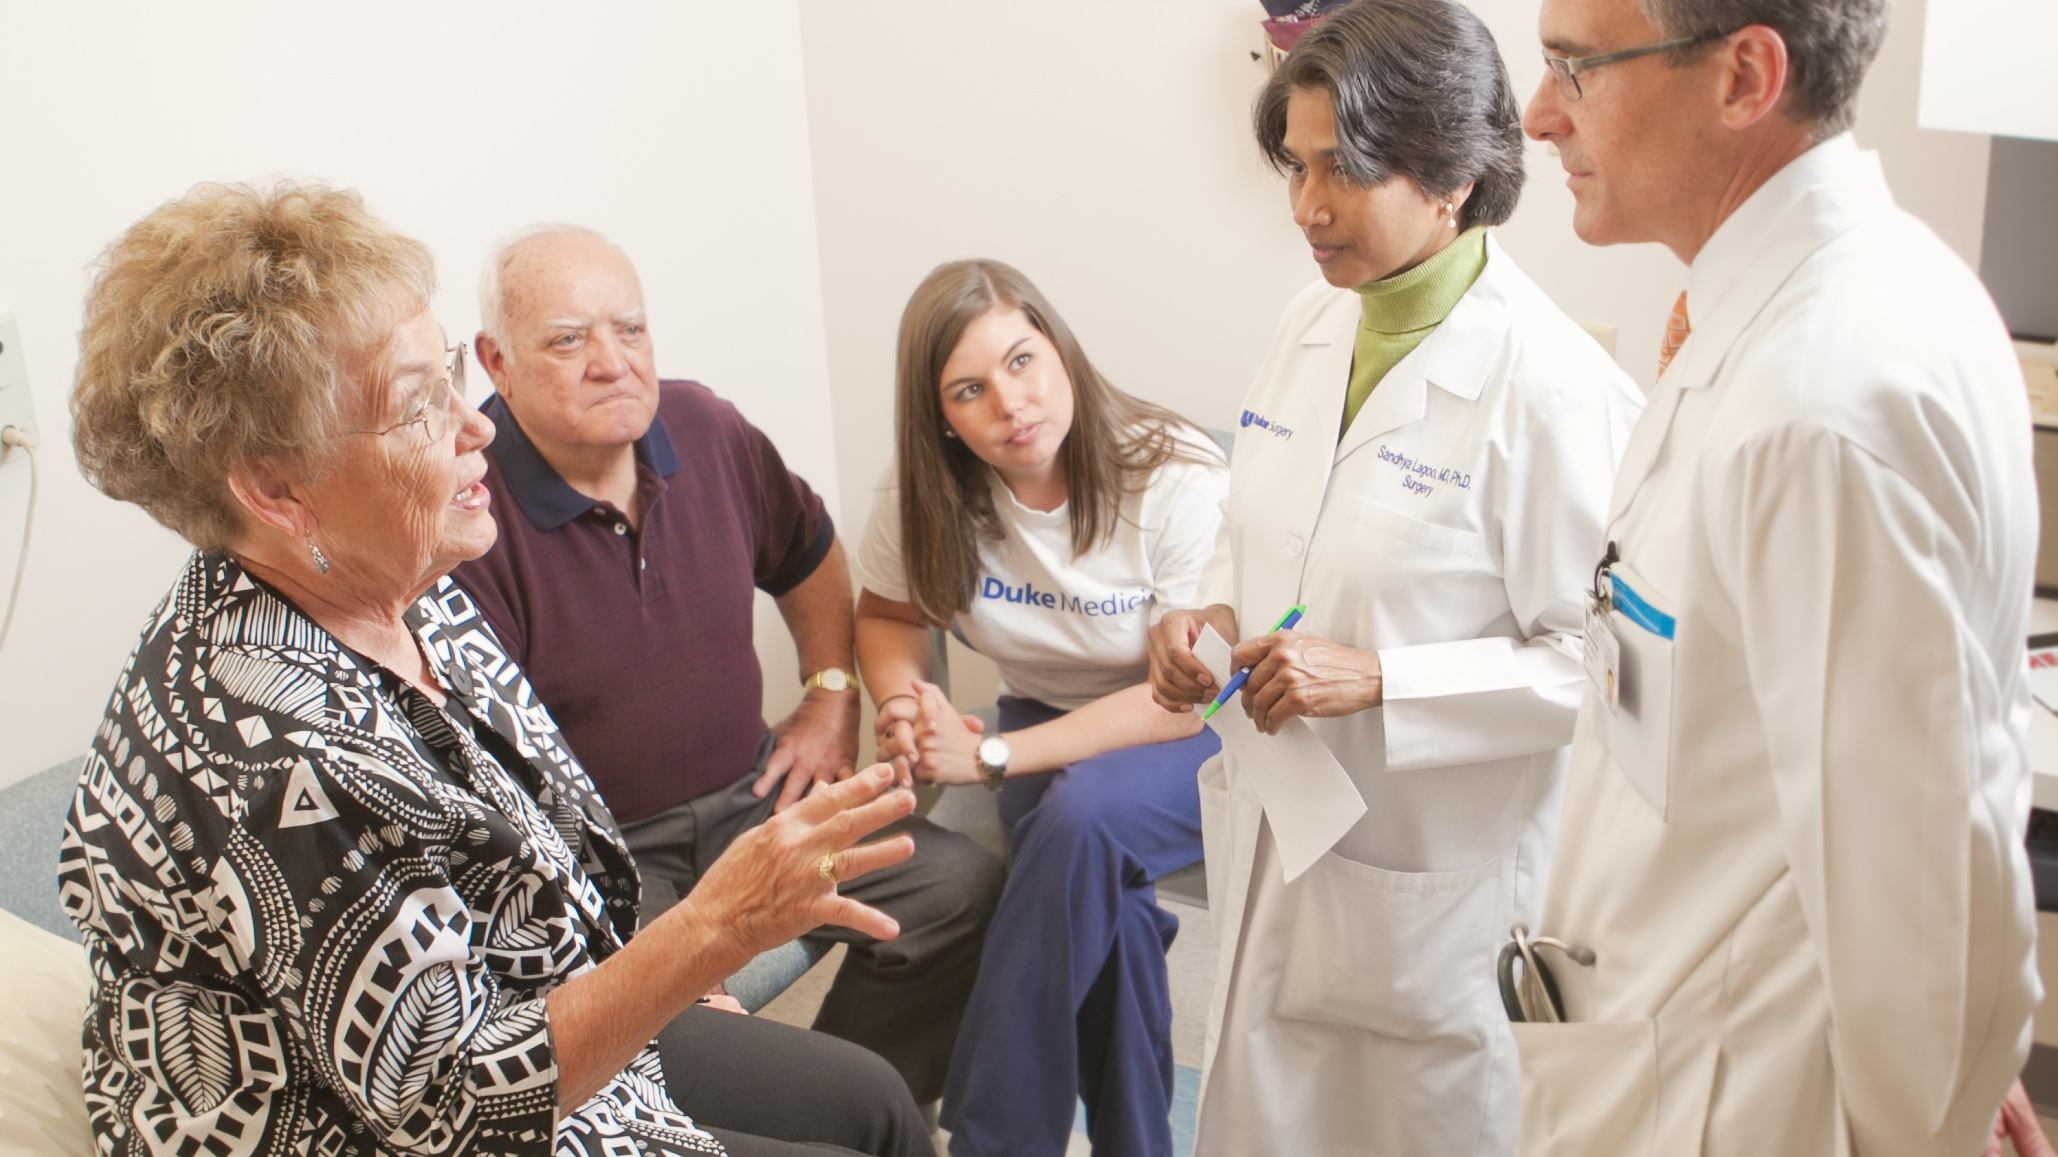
{"points": [[768, 887], [1302, 675], [1178, 679]]}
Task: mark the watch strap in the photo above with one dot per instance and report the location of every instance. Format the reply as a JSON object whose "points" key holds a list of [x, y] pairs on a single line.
{"points": [[818, 679]]}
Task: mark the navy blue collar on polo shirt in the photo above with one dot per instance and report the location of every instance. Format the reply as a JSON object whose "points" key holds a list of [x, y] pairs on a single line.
{"points": [[538, 488], [641, 641]]}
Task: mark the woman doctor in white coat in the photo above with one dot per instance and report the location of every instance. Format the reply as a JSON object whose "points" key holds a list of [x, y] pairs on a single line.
{"points": [[1424, 461]]}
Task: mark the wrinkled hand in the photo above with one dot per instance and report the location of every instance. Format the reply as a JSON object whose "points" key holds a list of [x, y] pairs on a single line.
{"points": [[816, 744], [948, 742], [1302, 675], [893, 728], [2018, 1123], [766, 888], [1178, 680]]}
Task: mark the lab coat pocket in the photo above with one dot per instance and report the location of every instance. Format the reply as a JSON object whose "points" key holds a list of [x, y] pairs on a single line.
{"points": [[1640, 724], [1588, 1090], [1449, 539], [1402, 954]]}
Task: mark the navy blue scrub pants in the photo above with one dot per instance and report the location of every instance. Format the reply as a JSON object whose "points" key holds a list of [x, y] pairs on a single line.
{"points": [[1072, 998]]}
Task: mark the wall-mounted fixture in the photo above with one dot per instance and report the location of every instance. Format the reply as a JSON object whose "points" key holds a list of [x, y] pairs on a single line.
{"points": [[1286, 21]]}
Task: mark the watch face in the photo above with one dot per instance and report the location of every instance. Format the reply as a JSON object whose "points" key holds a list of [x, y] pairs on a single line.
{"points": [[993, 751], [834, 679]]}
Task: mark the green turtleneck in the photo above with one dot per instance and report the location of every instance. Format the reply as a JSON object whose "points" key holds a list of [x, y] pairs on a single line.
{"points": [[1404, 309]]}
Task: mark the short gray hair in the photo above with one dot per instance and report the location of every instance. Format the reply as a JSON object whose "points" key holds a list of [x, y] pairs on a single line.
{"points": [[1829, 46], [1418, 90], [493, 296]]}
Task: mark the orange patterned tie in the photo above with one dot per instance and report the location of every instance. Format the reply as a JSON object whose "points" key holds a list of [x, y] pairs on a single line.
{"points": [[1676, 329]]}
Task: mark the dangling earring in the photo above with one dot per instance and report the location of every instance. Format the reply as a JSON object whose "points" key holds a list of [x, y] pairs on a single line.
{"points": [[321, 561], [1450, 213]]}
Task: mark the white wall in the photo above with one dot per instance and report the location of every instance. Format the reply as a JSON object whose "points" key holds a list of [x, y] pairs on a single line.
{"points": [[1992, 67], [1119, 178], [679, 128], [1106, 150]]}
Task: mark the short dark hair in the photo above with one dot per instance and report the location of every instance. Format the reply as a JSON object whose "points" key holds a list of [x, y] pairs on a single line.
{"points": [[1829, 46], [1419, 90]]}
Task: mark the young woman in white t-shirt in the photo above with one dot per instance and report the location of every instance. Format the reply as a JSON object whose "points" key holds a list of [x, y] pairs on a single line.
{"points": [[1050, 517]]}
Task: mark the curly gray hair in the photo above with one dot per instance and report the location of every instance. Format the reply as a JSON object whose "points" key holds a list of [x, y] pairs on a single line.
{"points": [[1829, 44], [221, 330]]}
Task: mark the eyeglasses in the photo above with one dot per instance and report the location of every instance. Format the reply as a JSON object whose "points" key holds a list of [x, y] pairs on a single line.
{"points": [[1567, 70], [438, 410]]}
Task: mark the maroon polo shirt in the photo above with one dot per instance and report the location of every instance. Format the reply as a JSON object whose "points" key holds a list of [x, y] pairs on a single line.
{"points": [[639, 641]]}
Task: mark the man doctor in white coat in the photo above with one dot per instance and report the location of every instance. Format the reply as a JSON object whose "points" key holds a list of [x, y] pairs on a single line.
{"points": [[1792, 835]]}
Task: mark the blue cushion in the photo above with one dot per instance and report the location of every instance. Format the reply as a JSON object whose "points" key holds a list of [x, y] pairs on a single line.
{"points": [[774, 970], [31, 828]]}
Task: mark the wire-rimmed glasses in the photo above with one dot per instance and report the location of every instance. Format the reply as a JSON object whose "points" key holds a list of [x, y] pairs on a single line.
{"points": [[1567, 70], [437, 411]]}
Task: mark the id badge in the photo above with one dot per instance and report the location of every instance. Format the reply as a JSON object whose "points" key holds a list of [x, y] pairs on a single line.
{"points": [[1640, 725], [1603, 654]]}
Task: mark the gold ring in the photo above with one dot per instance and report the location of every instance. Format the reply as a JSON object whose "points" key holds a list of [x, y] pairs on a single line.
{"points": [[827, 868]]}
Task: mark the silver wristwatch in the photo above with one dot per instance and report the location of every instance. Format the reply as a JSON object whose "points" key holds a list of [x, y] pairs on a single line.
{"points": [[993, 754]]}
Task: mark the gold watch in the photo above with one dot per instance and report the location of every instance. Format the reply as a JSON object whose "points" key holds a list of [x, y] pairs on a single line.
{"points": [[831, 679]]}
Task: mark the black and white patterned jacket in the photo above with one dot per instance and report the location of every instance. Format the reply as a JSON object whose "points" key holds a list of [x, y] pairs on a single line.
{"points": [[323, 913]]}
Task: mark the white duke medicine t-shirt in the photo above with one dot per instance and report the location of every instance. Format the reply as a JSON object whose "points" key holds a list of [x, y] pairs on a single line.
{"points": [[1066, 629]]}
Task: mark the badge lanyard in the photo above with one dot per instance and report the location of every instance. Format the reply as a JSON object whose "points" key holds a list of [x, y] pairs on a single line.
{"points": [[1602, 573], [1603, 649]]}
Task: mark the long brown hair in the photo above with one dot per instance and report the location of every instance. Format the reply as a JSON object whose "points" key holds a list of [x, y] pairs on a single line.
{"points": [[946, 503]]}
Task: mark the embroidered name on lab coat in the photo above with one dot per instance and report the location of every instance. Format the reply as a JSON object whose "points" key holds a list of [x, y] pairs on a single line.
{"points": [[1420, 477]]}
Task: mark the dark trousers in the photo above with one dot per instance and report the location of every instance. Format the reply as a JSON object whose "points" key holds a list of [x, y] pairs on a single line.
{"points": [[766, 1089], [902, 998], [1073, 1000]]}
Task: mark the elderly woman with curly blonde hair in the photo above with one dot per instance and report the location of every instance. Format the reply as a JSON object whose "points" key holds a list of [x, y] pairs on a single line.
{"points": [[344, 887]]}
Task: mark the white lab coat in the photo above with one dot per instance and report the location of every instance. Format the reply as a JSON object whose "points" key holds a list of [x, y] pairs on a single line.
{"points": [[1453, 529], [1807, 890]]}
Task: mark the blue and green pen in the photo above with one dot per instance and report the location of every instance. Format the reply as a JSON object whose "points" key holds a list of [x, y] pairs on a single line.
{"points": [[1236, 681]]}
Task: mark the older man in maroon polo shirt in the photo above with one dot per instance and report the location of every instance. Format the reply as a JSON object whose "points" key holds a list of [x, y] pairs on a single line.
{"points": [[642, 516]]}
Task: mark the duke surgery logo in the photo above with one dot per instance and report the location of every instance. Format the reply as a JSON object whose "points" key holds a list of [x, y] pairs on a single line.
{"points": [[1266, 424]]}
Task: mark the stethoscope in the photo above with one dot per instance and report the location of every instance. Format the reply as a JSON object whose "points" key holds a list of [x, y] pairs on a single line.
{"points": [[1533, 997]]}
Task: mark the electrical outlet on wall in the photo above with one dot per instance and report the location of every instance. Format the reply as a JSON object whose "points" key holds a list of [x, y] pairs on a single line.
{"points": [[17, 408]]}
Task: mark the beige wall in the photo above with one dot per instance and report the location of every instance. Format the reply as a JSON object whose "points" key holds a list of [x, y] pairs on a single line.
{"points": [[1097, 147], [1105, 150], [678, 127]]}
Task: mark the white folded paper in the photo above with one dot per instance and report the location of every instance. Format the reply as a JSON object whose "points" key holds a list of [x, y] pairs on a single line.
{"points": [[1308, 797]]}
